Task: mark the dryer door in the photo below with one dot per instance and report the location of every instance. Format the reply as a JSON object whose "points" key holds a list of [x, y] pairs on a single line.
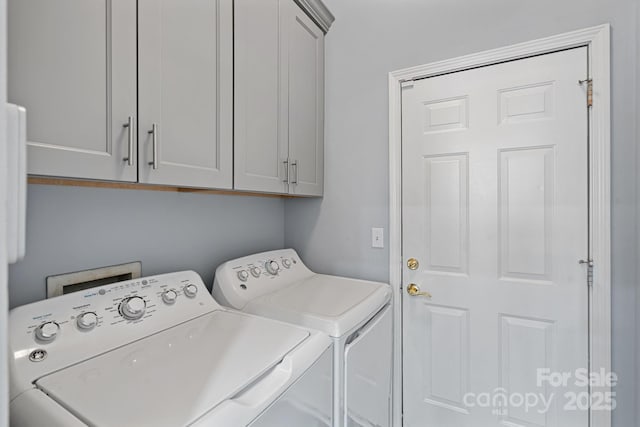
{"points": [[368, 367]]}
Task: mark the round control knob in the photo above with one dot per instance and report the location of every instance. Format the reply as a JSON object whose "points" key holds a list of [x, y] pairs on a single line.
{"points": [[169, 297], [48, 331], [272, 267], [255, 271], [286, 263], [191, 291], [87, 321], [243, 275], [132, 308]]}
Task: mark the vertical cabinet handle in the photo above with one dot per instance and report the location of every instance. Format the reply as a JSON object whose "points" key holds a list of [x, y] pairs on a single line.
{"points": [[154, 147], [286, 171], [294, 166], [131, 132]]}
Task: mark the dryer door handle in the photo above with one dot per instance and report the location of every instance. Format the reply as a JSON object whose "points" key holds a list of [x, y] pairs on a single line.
{"points": [[245, 406], [269, 385], [250, 402], [364, 329]]}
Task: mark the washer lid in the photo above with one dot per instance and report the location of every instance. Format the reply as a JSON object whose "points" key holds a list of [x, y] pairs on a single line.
{"points": [[174, 377], [331, 304]]}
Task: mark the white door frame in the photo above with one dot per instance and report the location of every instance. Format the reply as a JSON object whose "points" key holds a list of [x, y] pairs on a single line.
{"points": [[597, 39]]}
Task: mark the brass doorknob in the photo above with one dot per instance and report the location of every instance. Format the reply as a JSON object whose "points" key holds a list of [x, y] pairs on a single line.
{"points": [[414, 291], [413, 264]]}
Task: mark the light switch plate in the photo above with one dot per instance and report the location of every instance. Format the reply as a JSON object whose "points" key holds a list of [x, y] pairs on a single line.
{"points": [[377, 237]]}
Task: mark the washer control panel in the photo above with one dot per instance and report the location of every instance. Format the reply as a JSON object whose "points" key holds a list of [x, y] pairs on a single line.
{"points": [[241, 280], [56, 332]]}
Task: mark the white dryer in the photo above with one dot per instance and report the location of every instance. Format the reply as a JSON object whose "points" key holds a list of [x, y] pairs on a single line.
{"points": [[159, 351], [355, 313]]}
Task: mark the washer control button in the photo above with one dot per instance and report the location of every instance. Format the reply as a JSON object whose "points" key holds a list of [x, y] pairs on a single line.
{"points": [[255, 272], [243, 275], [286, 263], [133, 308], [272, 267], [87, 321], [48, 331], [169, 296], [38, 355], [191, 290]]}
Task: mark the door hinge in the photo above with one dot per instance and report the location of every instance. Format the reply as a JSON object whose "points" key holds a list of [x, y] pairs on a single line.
{"points": [[589, 83], [589, 263]]}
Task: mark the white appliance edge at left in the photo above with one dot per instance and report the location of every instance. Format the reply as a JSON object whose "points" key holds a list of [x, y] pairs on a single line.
{"points": [[4, 303]]}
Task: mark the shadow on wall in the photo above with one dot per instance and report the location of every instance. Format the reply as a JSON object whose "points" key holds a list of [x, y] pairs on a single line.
{"points": [[76, 228]]}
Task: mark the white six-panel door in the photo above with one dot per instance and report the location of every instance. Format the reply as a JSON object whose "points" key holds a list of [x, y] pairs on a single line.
{"points": [[495, 210], [185, 78]]}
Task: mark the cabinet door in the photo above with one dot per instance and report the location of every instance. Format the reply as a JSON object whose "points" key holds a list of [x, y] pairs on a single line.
{"points": [[186, 73], [72, 64], [303, 71], [260, 144]]}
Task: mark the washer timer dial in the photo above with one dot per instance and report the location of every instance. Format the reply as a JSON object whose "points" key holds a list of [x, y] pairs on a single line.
{"points": [[272, 267], [132, 308]]}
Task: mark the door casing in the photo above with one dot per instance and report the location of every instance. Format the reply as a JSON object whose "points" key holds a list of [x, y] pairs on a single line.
{"points": [[597, 40]]}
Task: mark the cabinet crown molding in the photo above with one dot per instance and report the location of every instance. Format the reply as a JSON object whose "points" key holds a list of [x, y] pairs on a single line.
{"points": [[319, 12]]}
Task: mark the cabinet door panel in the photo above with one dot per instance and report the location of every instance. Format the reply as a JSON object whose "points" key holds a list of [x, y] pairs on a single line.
{"points": [[260, 144], [72, 64], [185, 60], [305, 74]]}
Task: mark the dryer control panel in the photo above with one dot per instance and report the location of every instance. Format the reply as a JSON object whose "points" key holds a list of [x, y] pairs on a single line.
{"points": [[243, 279], [51, 334]]}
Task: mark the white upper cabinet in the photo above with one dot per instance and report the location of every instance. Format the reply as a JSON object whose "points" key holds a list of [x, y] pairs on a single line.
{"points": [[72, 64], [303, 69], [185, 56], [189, 93], [260, 143], [279, 98]]}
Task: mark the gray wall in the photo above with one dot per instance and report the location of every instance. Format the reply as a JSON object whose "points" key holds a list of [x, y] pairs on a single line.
{"points": [[371, 38], [73, 228]]}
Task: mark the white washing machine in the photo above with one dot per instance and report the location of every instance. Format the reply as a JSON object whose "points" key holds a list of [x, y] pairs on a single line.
{"points": [[355, 313], [159, 351]]}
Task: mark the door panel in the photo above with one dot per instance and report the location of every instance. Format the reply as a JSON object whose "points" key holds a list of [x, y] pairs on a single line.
{"points": [[446, 213], [495, 210], [185, 89], [260, 145], [445, 372], [525, 197], [304, 47], [72, 64]]}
